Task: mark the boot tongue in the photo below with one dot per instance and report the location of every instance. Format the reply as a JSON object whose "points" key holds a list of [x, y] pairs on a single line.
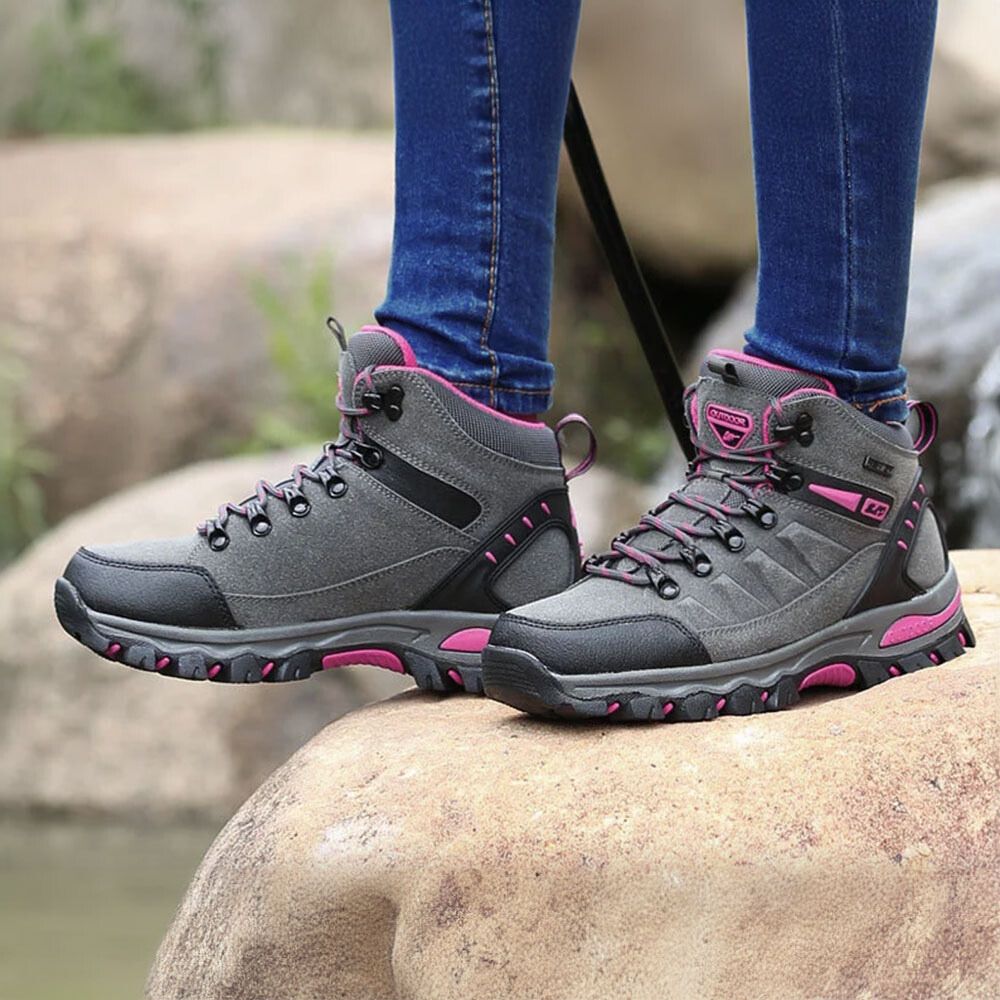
{"points": [[734, 393], [373, 347], [729, 408]]}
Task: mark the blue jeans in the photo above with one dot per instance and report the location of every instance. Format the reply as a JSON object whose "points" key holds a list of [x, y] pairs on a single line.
{"points": [[838, 89]]}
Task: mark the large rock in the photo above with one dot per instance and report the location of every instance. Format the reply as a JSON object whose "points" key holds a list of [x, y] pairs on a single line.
{"points": [[429, 848], [126, 270], [952, 348], [79, 735]]}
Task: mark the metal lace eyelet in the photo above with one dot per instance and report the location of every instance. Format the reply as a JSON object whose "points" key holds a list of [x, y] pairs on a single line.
{"points": [[697, 561], [760, 512], [260, 525], [666, 586], [394, 402], [372, 401], [803, 429], [732, 539], [372, 457], [299, 506], [217, 539], [336, 487]]}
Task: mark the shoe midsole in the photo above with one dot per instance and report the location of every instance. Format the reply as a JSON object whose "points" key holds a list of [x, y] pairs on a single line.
{"points": [[424, 631], [853, 637]]}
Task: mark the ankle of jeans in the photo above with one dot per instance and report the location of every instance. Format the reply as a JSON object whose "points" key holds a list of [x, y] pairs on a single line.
{"points": [[512, 401]]}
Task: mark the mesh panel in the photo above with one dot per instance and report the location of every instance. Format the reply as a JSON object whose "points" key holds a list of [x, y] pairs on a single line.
{"points": [[527, 444], [374, 348]]}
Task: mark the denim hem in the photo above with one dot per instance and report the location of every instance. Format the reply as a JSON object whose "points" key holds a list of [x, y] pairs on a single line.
{"points": [[518, 402]]}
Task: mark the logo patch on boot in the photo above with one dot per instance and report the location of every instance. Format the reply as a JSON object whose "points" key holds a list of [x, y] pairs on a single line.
{"points": [[731, 427]]}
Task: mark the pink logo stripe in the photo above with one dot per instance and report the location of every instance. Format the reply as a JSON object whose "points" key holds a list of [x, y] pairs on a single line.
{"points": [[843, 498], [913, 626]]}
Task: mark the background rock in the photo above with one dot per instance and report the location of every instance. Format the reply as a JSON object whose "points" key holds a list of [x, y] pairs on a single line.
{"points": [[664, 84], [952, 333], [481, 853], [126, 275], [79, 735]]}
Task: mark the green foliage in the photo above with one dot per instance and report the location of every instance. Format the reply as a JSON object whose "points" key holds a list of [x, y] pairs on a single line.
{"points": [[303, 354], [83, 82], [21, 464]]}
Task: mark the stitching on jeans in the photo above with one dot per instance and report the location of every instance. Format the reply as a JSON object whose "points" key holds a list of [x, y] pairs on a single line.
{"points": [[849, 262], [495, 199], [519, 392], [900, 397]]}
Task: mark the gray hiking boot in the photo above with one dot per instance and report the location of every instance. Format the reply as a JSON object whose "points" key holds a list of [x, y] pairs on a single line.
{"points": [[801, 551], [397, 547]]}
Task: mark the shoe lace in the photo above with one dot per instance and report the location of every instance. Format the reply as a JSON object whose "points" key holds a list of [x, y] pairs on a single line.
{"points": [[350, 447], [712, 520]]}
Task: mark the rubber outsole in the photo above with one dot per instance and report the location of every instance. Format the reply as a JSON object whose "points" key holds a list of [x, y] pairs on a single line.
{"points": [[447, 672], [521, 680]]}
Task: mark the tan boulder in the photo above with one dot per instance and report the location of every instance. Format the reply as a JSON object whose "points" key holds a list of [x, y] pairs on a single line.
{"points": [[127, 268], [428, 847], [79, 735]]}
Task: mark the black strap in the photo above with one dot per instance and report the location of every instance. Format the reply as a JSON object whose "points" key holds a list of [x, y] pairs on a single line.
{"points": [[625, 268]]}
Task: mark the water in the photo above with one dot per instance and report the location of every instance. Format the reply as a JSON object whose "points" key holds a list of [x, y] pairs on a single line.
{"points": [[84, 906]]}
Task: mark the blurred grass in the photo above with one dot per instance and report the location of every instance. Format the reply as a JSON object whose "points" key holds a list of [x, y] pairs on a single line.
{"points": [[21, 466], [303, 355], [82, 81]]}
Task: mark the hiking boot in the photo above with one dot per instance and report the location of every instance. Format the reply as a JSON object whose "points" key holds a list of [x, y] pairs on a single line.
{"points": [[801, 551], [398, 547]]}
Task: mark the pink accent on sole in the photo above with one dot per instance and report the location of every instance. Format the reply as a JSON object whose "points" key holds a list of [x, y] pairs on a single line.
{"points": [[913, 626], [915, 505], [510, 539], [266, 669], [214, 671], [467, 640], [545, 507], [764, 695], [364, 657], [842, 498], [456, 677], [492, 558], [839, 675], [963, 639], [935, 659], [894, 670], [613, 707], [902, 545], [920, 486], [668, 708], [526, 521], [113, 649], [720, 704], [163, 662], [909, 524]]}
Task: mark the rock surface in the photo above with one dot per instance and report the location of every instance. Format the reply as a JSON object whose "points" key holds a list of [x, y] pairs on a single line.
{"points": [[452, 848], [126, 275], [952, 349], [81, 736]]}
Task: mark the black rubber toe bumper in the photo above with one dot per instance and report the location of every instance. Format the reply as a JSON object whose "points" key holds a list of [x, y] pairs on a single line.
{"points": [[634, 643], [163, 593]]}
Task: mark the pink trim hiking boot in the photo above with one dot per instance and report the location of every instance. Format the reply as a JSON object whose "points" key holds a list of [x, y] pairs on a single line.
{"points": [[801, 551], [397, 547]]}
